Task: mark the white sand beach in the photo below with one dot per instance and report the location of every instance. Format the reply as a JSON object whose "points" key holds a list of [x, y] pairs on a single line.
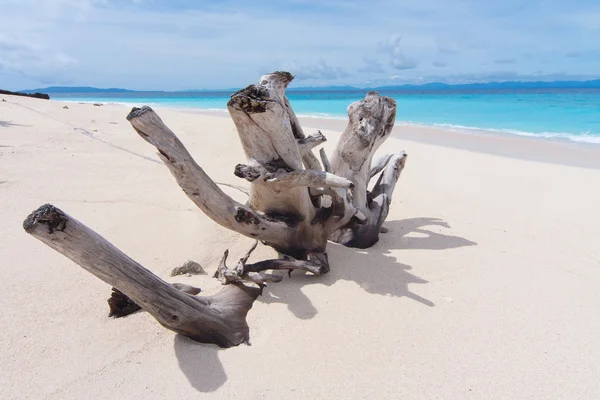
{"points": [[485, 286]]}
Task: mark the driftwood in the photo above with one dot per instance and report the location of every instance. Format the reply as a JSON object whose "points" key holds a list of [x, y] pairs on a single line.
{"points": [[286, 208], [296, 203], [219, 319]]}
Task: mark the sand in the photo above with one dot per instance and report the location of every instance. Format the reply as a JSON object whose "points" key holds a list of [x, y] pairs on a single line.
{"points": [[485, 287]]}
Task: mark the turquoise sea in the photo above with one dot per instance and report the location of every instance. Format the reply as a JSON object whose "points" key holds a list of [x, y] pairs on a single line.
{"points": [[572, 114]]}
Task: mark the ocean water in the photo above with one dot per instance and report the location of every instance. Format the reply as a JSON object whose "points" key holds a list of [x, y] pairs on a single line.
{"points": [[571, 114]]}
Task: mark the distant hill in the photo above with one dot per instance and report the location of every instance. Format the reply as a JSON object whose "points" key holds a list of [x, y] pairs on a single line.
{"points": [[291, 89], [75, 89], [229, 90], [324, 88], [592, 84]]}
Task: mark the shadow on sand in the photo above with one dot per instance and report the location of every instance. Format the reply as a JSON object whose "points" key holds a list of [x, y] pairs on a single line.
{"points": [[7, 124], [373, 269], [200, 364]]}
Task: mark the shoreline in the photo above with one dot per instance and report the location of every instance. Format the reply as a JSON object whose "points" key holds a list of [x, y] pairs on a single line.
{"points": [[583, 138], [545, 150], [539, 149]]}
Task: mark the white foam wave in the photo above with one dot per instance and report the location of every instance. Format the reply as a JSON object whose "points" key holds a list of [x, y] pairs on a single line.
{"points": [[585, 137], [322, 116], [117, 103]]}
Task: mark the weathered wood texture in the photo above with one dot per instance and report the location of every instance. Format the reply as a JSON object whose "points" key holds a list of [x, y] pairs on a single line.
{"points": [[218, 319], [316, 264], [370, 123], [295, 205]]}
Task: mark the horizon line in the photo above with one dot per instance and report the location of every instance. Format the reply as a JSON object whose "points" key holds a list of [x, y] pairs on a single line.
{"points": [[406, 85]]}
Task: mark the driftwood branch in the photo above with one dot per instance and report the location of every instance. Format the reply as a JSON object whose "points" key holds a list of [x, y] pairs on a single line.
{"points": [[308, 178], [283, 178], [198, 186], [218, 319], [387, 180], [305, 145], [379, 165], [120, 305], [370, 123], [316, 264], [270, 135], [308, 158], [325, 160]]}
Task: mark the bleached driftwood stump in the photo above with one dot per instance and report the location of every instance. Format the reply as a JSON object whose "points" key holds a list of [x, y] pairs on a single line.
{"points": [[295, 205]]}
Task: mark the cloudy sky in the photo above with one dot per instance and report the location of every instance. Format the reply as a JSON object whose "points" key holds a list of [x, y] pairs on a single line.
{"points": [[185, 44]]}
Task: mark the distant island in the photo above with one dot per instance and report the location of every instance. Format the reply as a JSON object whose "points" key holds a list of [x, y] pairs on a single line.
{"points": [[593, 84], [433, 86], [76, 89]]}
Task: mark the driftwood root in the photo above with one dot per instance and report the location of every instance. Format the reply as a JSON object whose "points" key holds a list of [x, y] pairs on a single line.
{"points": [[295, 204], [316, 264], [120, 305]]}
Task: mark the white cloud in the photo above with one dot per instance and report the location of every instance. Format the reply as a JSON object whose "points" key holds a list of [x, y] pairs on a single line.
{"points": [[64, 60], [371, 66], [398, 60], [320, 70], [446, 45], [160, 44], [28, 59]]}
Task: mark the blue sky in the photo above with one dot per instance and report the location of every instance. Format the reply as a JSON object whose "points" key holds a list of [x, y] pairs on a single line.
{"points": [[185, 44]]}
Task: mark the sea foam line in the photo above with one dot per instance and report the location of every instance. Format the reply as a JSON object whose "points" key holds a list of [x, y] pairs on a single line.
{"points": [[586, 137]]}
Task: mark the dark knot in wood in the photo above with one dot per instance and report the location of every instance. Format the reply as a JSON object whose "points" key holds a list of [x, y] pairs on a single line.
{"points": [[283, 76], [245, 216], [291, 219], [247, 172], [252, 99], [137, 112], [120, 305], [48, 215]]}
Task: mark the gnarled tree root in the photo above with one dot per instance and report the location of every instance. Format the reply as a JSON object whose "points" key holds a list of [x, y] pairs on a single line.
{"points": [[295, 205]]}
